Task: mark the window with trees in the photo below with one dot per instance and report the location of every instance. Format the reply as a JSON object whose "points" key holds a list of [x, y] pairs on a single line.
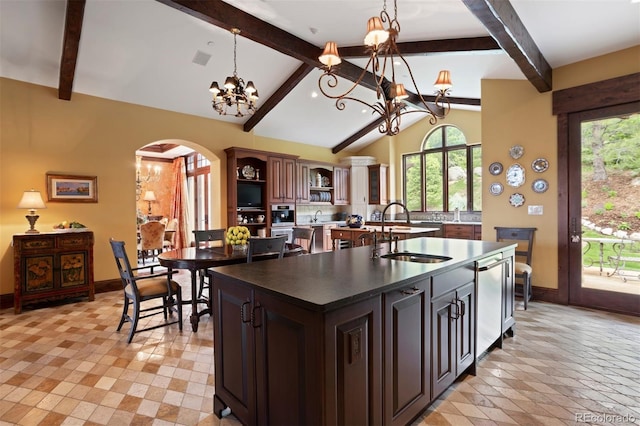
{"points": [[446, 174]]}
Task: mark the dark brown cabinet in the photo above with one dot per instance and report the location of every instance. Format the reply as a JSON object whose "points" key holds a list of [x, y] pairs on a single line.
{"points": [[247, 188], [407, 366], [282, 184], [453, 327], [260, 339], [52, 265], [378, 184]]}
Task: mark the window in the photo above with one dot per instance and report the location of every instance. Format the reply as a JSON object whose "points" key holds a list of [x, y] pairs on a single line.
{"points": [[446, 174], [198, 184]]}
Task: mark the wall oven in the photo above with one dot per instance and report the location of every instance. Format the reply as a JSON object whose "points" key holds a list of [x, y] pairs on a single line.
{"points": [[283, 217]]}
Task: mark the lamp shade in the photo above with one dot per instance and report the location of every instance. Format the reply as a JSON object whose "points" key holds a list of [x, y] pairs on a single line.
{"points": [[149, 196], [376, 34], [330, 55], [31, 200], [443, 82]]}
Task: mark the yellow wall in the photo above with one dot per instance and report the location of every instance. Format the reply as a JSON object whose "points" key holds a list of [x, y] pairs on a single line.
{"points": [[92, 136]]}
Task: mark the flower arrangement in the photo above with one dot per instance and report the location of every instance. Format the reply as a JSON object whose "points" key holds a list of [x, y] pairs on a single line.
{"points": [[355, 221], [237, 235]]}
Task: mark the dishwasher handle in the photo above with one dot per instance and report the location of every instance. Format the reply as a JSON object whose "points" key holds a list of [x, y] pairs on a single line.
{"points": [[493, 265]]}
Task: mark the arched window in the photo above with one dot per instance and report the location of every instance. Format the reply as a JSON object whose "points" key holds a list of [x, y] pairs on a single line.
{"points": [[445, 174]]}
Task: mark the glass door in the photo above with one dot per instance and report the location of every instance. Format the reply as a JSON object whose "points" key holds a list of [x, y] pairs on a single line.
{"points": [[604, 208]]}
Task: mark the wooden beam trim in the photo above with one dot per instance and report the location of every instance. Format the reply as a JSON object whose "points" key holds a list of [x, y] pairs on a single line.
{"points": [[282, 91], [604, 93], [70, 46], [419, 48], [360, 133], [504, 24]]}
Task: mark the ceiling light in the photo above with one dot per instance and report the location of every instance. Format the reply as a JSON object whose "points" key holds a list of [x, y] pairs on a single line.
{"points": [[384, 57], [234, 98]]}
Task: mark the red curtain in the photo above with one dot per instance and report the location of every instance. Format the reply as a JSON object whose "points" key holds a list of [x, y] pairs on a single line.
{"points": [[179, 204]]}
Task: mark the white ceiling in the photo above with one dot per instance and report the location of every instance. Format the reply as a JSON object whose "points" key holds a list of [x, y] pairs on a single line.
{"points": [[142, 51]]}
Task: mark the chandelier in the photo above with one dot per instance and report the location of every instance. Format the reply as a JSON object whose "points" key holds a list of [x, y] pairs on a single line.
{"points": [[384, 54], [234, 98], [153, 175]]}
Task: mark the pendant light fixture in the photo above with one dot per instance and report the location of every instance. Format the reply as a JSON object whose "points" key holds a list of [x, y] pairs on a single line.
{"points": [[234, 98], [380, 42]]}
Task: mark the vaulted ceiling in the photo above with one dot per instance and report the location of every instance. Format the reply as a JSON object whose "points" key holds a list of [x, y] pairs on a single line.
{"points": [[165, 53]]}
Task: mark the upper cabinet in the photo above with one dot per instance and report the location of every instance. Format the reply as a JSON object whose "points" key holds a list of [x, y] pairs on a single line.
{"points": [[302, 182], [378, 184], [341, 185], [321, 184], [282, 184]]}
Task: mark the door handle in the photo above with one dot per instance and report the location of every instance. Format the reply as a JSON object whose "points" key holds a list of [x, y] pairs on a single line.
{"points": [[254, 316], [412, 290], [242, 317], [457, 313]]}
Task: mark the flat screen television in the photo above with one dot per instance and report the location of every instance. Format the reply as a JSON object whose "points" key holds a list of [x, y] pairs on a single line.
{"points": [[249, 195]]}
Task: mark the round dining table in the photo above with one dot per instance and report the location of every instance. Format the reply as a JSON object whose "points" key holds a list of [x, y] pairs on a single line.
{"points": [[200, 258]]}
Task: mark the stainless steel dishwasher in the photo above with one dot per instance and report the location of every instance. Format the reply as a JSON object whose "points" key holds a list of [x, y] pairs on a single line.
{"points": [[490, 273]]}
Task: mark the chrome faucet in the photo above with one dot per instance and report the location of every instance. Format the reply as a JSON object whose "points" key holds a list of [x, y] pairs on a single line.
{"points": [[397, 203], [315, 217]]}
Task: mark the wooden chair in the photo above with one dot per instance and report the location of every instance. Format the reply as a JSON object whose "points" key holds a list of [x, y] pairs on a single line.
{"points": [[169, 242], [266, 246], [204, 238], [306, 237], [523, 270], [151, 239], [142, 288]]}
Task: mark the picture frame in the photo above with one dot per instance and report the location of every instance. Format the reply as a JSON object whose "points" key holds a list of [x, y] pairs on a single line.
{"points": [[72, 188]]}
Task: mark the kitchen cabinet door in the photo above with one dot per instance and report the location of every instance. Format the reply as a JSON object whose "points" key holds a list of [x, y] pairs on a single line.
{"points": [[378, 184], [465, 327], [233, 344], [443, 340], [407, 367], [282, 177], [302, 183], [341, 185]]}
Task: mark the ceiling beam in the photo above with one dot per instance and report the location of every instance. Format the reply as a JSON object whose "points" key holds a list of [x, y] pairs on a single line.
{"points": [[357, 135], [504, 24], [70, 45], [421, 48], [282, 91]]}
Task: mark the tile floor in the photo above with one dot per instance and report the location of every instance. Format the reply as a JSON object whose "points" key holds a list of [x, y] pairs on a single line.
{"points": [[67, 365]]}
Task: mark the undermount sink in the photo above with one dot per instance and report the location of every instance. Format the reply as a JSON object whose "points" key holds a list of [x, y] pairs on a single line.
{"points": [[416, 257]]}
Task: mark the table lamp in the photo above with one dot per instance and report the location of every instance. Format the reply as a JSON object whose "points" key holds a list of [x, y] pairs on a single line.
{"points": [[149, 196], [32, 200]]}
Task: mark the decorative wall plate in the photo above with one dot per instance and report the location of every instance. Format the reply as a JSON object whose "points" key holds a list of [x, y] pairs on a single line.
{"points": [[515, 175], [248, 172], [496, 188], [540, 186], [516, 200], [495, 168], [516, 151], [540, 165]]}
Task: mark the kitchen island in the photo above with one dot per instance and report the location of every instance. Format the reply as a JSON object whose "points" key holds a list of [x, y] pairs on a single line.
{"points": [[344, 338]]}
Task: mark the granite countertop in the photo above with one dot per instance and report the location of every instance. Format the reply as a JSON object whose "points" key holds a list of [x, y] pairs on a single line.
{"points": [[329, 280]]}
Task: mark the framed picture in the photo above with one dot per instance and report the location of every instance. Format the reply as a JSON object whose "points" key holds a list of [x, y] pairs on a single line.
{"points": [[72, 189]]}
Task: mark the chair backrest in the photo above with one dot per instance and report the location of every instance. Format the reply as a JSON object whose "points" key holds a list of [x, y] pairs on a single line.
{"points": [[304, 237], [122, 261], [172, 225], [207, 236], [524, 238], [266, 245], [151, 235]]}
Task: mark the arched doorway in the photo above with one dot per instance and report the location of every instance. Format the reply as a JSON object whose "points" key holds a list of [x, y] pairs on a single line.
{"points": [[179, 179]]}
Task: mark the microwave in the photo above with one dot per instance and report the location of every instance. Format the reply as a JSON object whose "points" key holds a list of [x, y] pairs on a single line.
{"points": [[282, 214]]}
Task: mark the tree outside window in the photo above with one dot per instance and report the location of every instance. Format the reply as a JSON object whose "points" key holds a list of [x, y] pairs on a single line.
{"points": [[445, 175]]}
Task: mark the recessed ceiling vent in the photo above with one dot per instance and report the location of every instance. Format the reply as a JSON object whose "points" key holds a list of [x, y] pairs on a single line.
{"points": [[201, 58]]}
